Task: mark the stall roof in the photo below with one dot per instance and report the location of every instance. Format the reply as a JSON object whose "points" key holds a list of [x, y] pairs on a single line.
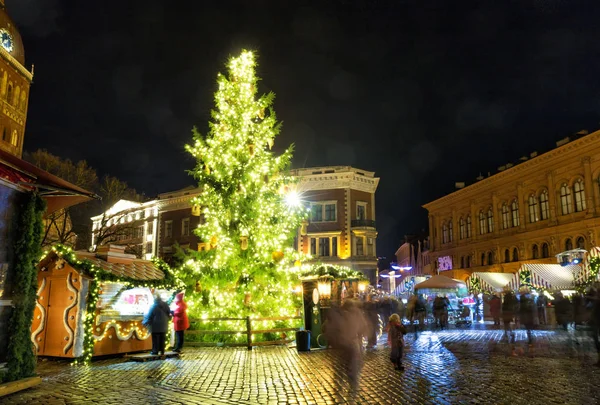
{"points": [[440, 282], [58, 193], [497, 281], [552, 276], [137, 269]]}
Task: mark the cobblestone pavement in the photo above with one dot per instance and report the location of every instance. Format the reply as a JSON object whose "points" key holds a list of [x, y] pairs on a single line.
{"points": [[468, 366]]}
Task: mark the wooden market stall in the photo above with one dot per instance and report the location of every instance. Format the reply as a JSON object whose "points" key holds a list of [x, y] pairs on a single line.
{"points": [[65, 284]]}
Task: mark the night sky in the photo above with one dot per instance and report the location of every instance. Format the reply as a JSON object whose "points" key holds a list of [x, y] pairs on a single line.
{"points": [[423, 93]]}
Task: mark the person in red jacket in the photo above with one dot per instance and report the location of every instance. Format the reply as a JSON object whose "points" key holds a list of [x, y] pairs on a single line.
{"points": [[495, 308], [180, 321]]}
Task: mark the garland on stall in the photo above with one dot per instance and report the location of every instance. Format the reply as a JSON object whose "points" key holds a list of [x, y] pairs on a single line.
{"points": [[337, 272], [592, 276], [27, 250], [98, 276], [474, 285], [525, 278]]}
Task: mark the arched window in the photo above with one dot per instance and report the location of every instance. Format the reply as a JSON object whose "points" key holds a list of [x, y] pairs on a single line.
{"points": [[462, 262], [444, 233], [506, 256], [514, 208], [544, 206], [568, 244], [490, 220], [579, 193], [468, 261], [450, 231], [535, 252], [482, 224], [533, 209], [565, 199], [461, 228], [9, 93], [468, 226], [4, 84], [505, 216], [490, 259], [483, 259], [545, 251], [580, 243], [515, 255], [14, 139]]}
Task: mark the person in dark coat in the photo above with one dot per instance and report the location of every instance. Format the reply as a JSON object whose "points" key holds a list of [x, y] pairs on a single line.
{"points": [[562, 307], [495, 308], [510, 306], [593, 299], [180, 321], [157, 320], [541, 308], [396, 340], [527, 310]]}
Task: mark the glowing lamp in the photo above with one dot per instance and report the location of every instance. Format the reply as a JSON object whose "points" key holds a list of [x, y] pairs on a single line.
{"points": [[362, 286], [292, 199], [196, 210], [324, 287]]}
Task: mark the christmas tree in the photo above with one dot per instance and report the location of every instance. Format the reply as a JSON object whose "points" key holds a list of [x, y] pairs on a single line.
{"points": [[250, 211]]}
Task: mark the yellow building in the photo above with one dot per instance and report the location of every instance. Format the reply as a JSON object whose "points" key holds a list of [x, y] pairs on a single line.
{"points": [[527, 212]]}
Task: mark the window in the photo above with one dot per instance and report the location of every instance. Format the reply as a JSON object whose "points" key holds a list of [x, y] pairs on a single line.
{"points": [[17, 97], [535, 253], [360, 248], [361, 210], [482, 223], [483, 259], [149, 248], [334, 242], [149, 228], [185, 227], [533, 209], [506, 256], [330, 212], [490, 220], [9, 93], [544, 206], [469, 261], [444, 233], [139, 232], [565, 199], [23, 104], [450, 231], [580, 243], [323, 212], [515, 255], [5, 134], [461, 229], [579, 192], [568, 244], [514, 208], [505, 216], [462, 262], [490, 259], [468, 226], [168, 229], [313, 246], [545, 251], [14, 139], [323, 246]]}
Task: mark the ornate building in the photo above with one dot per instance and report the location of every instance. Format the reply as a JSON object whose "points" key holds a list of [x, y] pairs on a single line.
{"points": [[528, 212], [15, 81], [341, 229]]}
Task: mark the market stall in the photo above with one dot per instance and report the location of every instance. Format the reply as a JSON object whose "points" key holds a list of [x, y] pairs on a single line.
{"points": [[452, 289], [550, 276], [494, 282], [116, 287]]}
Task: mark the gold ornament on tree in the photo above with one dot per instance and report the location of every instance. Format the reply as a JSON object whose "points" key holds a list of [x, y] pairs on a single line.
{"points": [[270, 142], [261, 114], [297, 263], [213, 242], [244, 242], [247, 299], [251, 149], [277, 256], [206, 169]]}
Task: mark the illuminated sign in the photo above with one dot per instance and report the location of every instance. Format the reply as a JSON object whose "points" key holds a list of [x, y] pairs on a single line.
{"points": [[445, 263]]}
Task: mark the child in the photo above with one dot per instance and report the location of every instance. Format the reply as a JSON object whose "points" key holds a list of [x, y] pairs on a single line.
{"points": [[396, 337]]}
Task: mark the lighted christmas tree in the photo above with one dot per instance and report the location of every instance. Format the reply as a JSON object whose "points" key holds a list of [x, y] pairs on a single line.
{"points": [[250, 211]]}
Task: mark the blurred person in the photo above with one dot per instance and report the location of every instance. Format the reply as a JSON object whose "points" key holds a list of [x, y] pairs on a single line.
{"points": [[420, 312], [593, 299], [495, 308], [510, 306], [372, 317], [181, 322], [445, 306], [157, 320], [541, 303], [352, 327], [396, 340], [438, 304], [562, 307], [410, 308], [526, 312]]}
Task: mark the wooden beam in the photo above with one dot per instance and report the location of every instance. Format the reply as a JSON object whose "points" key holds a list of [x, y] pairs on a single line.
{"points": [[19, 385]]}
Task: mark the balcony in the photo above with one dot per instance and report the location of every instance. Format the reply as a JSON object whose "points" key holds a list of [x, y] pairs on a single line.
{"points": [[363, 223]]}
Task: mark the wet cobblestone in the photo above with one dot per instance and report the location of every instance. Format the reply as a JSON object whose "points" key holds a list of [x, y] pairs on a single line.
{"points": [[472, 366]]}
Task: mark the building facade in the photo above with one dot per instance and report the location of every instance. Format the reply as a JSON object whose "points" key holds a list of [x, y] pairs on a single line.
{"points": [[528, 212], [15, 81], [341, 229], [150, 229]]}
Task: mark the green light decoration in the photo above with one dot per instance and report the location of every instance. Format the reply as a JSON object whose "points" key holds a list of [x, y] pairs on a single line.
{"points": [[337, 272], [98, 276], [474, 285], [592, 276], [525, 279], [249, 208]]}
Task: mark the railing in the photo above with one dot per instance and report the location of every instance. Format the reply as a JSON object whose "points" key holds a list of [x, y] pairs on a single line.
{"points": [[248, 332], [363, 222]]}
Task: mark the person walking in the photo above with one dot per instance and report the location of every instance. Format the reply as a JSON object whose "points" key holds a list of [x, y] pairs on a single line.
{"points": [[396, 340], [541, 302], [593, 298], [509, 307], [526, 312], [180, 321], [495, 308], [157, 320], [562, 307]]}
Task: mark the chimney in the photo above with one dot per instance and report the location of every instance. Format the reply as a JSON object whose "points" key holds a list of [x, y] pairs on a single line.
{"points": [[459, 185], [480, 177], [532, 155], [114, 254]]}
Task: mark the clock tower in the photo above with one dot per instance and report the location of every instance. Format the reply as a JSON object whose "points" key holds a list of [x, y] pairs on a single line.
{"points": [[15, 81]]}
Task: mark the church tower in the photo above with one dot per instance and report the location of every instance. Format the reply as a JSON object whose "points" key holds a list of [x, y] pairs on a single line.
{"points": [[15, 81]]}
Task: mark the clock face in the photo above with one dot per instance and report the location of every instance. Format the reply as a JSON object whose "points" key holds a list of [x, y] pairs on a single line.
{"points": [[6, 40]]}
